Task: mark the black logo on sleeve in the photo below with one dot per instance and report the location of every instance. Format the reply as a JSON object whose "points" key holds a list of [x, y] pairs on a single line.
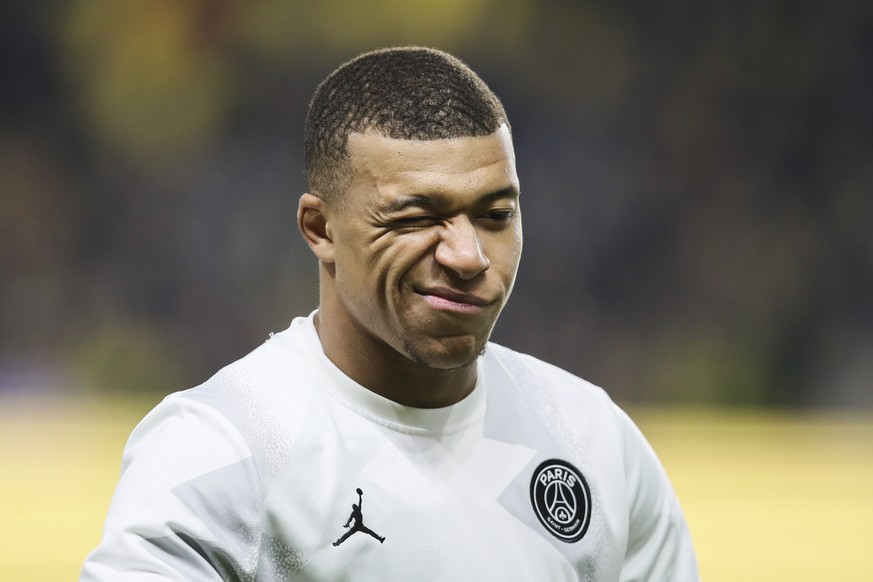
{"points": [[561, 499], [357, 520]]}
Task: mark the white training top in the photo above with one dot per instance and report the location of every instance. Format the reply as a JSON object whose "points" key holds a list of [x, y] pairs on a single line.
{"points": [[535, 476]]}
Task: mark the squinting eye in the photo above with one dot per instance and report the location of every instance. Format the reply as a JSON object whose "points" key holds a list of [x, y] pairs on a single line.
{"points": [[415, 221]]}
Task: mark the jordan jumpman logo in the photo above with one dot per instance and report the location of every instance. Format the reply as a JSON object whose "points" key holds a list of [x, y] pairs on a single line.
{"points": [[358, 518]]}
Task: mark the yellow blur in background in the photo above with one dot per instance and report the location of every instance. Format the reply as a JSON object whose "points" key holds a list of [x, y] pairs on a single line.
{"points": [[768, 495]]}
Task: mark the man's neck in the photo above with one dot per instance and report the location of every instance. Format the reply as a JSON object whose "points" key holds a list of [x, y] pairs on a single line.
{"points": [[381, 369]]}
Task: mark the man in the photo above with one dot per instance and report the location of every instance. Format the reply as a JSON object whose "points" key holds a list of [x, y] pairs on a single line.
{"points": [[478, 463]]}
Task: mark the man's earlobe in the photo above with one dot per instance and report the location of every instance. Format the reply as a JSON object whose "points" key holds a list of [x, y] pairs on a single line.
{"points": [[312, 221]]}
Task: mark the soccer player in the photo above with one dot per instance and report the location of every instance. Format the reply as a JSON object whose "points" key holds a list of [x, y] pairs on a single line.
{"points": [[479, 463]]}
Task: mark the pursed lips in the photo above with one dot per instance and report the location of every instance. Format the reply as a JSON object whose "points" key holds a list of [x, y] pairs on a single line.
{"points": [[452, 300]]}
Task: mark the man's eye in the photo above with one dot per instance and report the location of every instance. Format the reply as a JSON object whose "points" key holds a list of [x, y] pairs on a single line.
{"points": [[414, 221], [498, 216]]}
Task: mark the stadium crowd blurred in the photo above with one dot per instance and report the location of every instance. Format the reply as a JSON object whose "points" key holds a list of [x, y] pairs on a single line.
{"points": [[696, 186]]}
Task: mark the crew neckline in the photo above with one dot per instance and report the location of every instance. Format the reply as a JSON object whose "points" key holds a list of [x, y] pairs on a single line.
{"points": [[376, 408]]}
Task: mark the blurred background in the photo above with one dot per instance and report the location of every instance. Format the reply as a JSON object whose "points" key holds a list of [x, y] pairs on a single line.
{"points": [[696, 182], [696, 186]]}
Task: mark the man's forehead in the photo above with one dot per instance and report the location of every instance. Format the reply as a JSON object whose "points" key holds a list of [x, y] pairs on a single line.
{"points": [[440, 201], [372, 146]]}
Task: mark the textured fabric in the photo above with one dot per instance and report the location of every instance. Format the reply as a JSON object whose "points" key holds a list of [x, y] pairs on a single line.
{"points": [[536, 475]]}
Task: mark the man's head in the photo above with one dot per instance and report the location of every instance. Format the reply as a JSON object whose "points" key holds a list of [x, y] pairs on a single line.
{"points": [[413, 215], [409, 93]]}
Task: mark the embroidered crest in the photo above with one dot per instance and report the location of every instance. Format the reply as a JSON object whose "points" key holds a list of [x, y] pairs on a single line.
{"points": [[561, 499]]}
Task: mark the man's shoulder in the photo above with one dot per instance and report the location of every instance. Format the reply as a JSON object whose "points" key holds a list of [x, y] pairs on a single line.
{"points": [[259, 398], [280, 366], [527, 366], [533, 376]]}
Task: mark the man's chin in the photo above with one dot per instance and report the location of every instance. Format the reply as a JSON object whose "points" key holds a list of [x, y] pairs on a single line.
{"points": [[446, 357]]}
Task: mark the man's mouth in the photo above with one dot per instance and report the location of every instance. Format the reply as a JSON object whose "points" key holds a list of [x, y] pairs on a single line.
{"points": [[447, 299]]}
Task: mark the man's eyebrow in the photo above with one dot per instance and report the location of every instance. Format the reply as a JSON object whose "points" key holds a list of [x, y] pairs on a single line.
{"points": [[508, 192], [433, 201], [417, 201]]}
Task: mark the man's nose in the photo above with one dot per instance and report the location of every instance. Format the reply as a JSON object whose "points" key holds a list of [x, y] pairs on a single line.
{"points": [[460, 249]]}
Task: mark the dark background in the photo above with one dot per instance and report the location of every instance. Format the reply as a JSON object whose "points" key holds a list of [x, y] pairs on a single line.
{"points": [[696, 182]]}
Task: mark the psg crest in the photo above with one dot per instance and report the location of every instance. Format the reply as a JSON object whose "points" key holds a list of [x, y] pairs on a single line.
{"points": [[561, 499]]}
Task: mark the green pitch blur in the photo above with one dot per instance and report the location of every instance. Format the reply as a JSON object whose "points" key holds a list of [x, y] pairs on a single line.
{"points": [[768, 495]]}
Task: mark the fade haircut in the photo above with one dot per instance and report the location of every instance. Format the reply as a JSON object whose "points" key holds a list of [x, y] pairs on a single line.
{"points": [[411, 93]]}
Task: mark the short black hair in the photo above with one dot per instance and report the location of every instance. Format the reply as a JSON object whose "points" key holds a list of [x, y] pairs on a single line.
{"points": [[413, 93]]}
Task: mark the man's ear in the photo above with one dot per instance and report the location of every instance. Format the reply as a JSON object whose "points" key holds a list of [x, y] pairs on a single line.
{"points": [[312, 221]]}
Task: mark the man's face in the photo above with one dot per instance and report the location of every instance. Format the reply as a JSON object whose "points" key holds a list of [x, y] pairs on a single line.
{"points": [[427, 243]]}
